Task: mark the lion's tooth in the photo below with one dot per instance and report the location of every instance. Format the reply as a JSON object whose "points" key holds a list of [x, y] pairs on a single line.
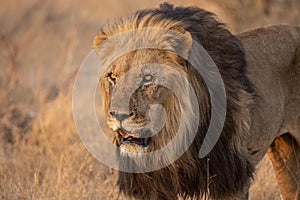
{"points": [[126, 135]]}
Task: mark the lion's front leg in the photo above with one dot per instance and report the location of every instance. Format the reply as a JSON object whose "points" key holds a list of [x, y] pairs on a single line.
{"points": [[285, 156]]}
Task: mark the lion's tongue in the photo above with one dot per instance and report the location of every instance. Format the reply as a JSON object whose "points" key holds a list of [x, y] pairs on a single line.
{"points": [[127, 135]]}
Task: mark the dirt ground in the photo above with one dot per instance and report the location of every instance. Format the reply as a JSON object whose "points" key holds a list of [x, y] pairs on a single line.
{"points": [[42, 45]]}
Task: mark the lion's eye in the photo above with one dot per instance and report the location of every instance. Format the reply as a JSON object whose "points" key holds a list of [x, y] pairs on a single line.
{"points": [[148, 77], [112, 76]]}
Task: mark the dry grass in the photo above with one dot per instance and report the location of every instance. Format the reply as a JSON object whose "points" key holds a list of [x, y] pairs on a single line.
{"points": [[42, 45], [49, 162]]}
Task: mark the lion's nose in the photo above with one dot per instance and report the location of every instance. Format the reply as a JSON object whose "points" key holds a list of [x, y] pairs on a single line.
{"points": [[120, 116]]}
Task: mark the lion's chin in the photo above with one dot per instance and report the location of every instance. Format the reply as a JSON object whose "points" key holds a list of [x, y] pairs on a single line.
{"points": [[132, 149]]}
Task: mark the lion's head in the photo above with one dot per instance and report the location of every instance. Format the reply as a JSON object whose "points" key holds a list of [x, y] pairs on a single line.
{"points": [[134, 97], [139, 103]]}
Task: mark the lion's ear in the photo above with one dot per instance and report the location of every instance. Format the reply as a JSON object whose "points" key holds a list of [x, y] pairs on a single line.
{"points": [[184, 43], [99, 38]]}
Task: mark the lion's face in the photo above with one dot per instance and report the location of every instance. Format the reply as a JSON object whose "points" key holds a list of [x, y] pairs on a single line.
{"points": [[134, 98]]}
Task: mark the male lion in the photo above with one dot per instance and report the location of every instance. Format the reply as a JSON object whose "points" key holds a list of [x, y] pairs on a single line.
{"points": [[261, 74]]}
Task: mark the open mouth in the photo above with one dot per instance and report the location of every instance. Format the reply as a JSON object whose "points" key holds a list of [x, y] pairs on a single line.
{"points": [[126, 137]]}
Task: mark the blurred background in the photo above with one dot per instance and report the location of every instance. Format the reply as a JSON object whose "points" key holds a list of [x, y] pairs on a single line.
{"points": [[42, 44]]}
